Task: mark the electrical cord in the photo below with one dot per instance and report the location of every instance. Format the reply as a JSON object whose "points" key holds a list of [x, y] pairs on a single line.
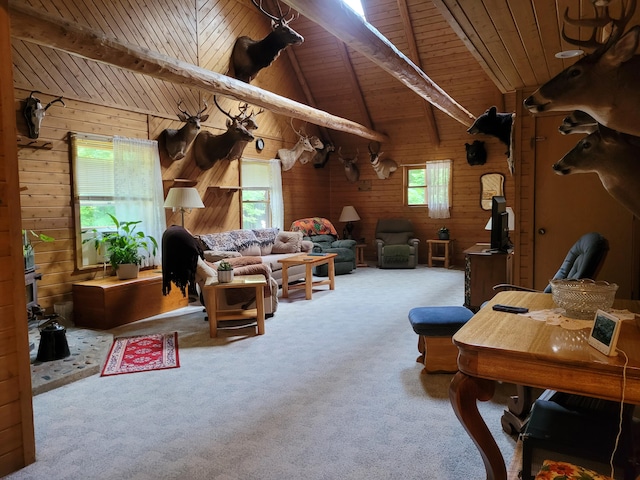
{"points": [[624, 385]]}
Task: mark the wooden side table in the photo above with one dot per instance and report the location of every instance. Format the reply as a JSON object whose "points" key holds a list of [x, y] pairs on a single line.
{"points": [[360, 255], [434, 253], [210, 293]]}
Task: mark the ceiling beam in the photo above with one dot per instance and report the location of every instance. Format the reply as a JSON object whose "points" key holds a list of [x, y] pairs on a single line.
{"points": [[432, 126], [339, 20], [32, 25]]}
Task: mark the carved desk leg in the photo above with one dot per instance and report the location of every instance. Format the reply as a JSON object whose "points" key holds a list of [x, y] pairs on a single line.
{"points": [[518, 409], [464, 392]]}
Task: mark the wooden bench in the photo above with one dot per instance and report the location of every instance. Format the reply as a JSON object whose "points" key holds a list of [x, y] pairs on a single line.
{"points": [[106, 303]]}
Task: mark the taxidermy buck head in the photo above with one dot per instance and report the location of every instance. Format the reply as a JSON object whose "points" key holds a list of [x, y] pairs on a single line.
{"points": [[603, 83], [351, 170], [250, 56], [177, 142], [209, 148], [383, 167], [248, 122], [34, 113]]}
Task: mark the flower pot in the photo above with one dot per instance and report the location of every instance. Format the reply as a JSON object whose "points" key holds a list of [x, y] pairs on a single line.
{"points": [[443, 235], [126, 271], [225, 276]]}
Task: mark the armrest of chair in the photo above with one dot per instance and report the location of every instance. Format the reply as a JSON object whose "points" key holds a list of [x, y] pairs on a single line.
{"points": [[344, 244], [414, 242], [508, 286]]}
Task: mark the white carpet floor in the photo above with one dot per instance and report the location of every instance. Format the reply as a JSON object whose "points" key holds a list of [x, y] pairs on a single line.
{"points": [[331, 391]]}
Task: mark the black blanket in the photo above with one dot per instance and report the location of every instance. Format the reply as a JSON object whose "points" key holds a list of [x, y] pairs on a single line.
{"points": [[180, 252]]}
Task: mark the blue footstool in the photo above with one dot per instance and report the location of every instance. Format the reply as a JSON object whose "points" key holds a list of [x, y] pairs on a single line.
{"points": [[435, 326]]}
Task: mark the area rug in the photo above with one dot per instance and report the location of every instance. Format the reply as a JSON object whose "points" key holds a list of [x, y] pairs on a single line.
{"points": [[142, 353]]}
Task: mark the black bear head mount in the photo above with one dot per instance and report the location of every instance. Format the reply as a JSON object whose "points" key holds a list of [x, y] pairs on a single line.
{"points": [[476, 153]]}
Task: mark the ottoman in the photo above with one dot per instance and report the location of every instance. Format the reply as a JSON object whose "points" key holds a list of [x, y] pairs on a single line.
{"points": [[435, 326]]}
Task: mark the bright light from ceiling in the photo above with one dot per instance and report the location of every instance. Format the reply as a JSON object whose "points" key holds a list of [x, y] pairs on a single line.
{"points": [[356, 6]]}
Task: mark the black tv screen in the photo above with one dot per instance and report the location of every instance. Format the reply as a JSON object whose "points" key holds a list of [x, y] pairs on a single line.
{"points": [[499, 224]]}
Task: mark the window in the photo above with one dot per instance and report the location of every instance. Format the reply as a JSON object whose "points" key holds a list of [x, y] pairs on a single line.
{"points": [[430, 186], [118, 176], [262, 204], [356, 6]]}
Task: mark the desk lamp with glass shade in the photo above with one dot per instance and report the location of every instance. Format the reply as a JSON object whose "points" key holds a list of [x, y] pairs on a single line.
{"points": [[348, 215], [183, 199]]}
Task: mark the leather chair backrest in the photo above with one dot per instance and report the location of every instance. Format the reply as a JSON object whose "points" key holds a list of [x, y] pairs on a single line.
{"points": [[584, 259], [394, 225]]}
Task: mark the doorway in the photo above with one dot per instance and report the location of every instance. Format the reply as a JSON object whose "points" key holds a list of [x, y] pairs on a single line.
{"points": [[566, 207]]}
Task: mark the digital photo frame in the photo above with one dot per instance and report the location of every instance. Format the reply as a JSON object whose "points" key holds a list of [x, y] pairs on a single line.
{"points": [[604, 333]]}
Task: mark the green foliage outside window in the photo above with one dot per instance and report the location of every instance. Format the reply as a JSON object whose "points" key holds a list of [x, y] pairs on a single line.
{"points": [[416, 186], [254, 208]]}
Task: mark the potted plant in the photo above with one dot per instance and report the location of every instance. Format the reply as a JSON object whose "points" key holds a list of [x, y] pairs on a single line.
{"points": [[443, 233], [27, 247], [123, 247], [225, 272]]}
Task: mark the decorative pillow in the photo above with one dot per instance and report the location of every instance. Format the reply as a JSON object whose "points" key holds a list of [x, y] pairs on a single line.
{"points": [[234, 240], [287, 242], [266, 238], [552, 470], [215, 255], [395, 238], [244, 261]]}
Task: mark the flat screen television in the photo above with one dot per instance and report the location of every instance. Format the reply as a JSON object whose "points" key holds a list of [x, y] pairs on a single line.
{"points": [[499, 224]]}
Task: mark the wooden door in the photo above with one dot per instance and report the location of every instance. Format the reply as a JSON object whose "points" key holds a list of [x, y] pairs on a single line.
{"points": [[568, 206]]}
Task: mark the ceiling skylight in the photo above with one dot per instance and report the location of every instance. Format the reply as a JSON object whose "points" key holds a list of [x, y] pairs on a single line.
{"points": [[356, 6]]}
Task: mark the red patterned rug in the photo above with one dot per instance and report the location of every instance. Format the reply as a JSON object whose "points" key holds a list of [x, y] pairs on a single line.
{"points": [[142, 353]]}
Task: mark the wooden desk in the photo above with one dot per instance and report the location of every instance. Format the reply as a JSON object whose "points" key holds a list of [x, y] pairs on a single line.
{"points": [[309, 261], [108, 302], [497, 346], [210, 294], [433, 246]]}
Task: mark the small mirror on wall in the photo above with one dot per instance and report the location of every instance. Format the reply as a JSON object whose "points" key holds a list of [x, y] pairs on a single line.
{"points": [[491, 184]]}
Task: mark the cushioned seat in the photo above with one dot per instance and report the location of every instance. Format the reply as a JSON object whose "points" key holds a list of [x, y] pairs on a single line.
{"points": [[435, 327]]}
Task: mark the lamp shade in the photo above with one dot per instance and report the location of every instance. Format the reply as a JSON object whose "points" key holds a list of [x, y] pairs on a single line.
{"points": [[349, 214], [183, 198], [512, 220]]}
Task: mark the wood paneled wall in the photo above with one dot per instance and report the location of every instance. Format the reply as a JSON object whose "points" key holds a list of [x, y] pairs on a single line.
{"points": [[17, 443]]}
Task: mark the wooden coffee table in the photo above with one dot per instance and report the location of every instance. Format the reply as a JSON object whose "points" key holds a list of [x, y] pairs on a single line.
{"points": [[210, 294], [309, 261]]}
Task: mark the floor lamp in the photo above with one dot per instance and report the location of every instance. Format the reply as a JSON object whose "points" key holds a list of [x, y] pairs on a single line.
{"points": [[183, 199]]}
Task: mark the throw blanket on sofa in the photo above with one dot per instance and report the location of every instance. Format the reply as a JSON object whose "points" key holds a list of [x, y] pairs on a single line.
{"points": [[396, 253], [180, 253], [314, 226], [248, 295]]}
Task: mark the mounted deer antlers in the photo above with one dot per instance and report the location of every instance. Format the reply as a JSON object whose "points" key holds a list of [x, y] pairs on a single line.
{"points": [[177, 141], [34, 113], [599, 24], [351, 170], [383, 168]]}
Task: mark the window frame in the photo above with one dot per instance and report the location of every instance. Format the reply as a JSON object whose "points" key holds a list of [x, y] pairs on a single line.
{"points": [[407, 169]]}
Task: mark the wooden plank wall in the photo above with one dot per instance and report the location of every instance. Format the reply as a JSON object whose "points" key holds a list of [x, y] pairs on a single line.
{"points": [[17, 443], [106, 100]]}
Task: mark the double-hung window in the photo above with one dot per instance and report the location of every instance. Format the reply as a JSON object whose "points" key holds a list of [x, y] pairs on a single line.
{"points": [[429, 185], [262, 203], [118, 176]]}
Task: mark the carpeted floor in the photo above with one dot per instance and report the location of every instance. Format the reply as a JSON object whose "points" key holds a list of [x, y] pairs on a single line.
{"points": [[331, 391]]}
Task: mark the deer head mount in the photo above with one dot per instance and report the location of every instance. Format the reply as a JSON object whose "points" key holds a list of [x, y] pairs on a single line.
{"points": [[248, 121], [209, 148], [383, 167], [289, 156], [177, 141], [34, 113], [250, 56], [351, 170]]}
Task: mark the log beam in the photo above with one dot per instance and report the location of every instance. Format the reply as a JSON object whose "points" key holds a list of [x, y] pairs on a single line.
{"points": [[342, 22], [31, 25]]}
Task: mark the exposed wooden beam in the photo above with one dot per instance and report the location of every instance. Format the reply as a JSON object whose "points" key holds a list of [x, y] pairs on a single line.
{"points": [[339, 20], [432, 126], [32, 25]]}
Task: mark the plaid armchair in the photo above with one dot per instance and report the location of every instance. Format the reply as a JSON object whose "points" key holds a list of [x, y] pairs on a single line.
{"points": [[324, 236]]}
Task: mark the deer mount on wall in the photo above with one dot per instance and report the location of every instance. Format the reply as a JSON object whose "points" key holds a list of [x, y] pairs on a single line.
{"points": [[351, 170], [383, 167], [34, 113], [600, 90], [305, 145], [250, 56], [176, 142]]}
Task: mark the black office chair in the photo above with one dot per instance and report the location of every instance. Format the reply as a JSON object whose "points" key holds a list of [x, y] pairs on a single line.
{"points": [[584, 260]]}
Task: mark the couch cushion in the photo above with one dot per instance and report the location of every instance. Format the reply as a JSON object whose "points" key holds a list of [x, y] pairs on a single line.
{"points": [[287, 242], [215, 255], [266, 238]]}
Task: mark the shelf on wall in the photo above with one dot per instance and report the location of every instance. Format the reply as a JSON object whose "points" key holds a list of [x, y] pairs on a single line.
{"points": [[231, 188], [179, 182]]}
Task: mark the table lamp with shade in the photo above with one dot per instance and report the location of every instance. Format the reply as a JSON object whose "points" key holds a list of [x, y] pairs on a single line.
{"points": [[183, 199], [348, 215]]}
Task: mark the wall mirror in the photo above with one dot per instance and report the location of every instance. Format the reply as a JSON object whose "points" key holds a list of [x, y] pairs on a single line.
{"points": [[491, 184]]}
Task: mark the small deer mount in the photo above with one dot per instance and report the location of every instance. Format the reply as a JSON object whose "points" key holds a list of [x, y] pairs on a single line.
{"points": [[34, 113]]}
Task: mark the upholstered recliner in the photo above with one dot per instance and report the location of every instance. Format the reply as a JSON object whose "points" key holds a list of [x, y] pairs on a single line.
{"points": [[397, 247], [324, 236]]}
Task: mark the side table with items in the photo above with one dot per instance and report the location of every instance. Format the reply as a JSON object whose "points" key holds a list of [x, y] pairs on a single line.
{"points": [[441, 250]]}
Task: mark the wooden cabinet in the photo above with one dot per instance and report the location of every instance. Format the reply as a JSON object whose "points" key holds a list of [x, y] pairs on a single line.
{"points": [[483, 270], [107, 302]]}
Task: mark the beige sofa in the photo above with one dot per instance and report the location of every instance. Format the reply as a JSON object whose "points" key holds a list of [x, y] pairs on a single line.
{"points": [[269, 244]]}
